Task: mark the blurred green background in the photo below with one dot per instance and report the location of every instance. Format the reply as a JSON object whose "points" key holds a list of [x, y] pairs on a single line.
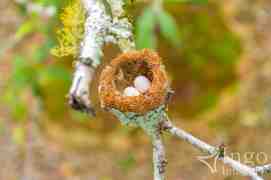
{"points": [[217, 57]]}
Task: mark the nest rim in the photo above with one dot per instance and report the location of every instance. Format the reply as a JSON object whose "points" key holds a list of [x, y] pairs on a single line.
{"points": [[154, 97]]}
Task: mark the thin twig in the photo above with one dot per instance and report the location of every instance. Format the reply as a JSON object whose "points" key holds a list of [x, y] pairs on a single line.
{"points": [[101, 28], [263, 169], [211, 150]]}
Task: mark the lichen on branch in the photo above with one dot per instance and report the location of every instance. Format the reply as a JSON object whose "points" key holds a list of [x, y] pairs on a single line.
{"points": [[73, 18], [149, 122]]}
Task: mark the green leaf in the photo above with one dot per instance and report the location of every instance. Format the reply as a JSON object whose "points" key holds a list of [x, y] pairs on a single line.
{"points": [[54, 73], [199, 1], [188, 1], [18, 109], [2, 126], [25, 29], [18, 135], [127, 162], [43, 51], [23, 74], [18, 77], [145, 25], [169, 28]]}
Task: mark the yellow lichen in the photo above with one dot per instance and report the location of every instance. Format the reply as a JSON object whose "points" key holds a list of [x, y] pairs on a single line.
{"points": [[69, 37]]}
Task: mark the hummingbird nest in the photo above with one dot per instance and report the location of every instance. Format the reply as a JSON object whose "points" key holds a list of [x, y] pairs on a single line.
{"points": [[121, 72]]}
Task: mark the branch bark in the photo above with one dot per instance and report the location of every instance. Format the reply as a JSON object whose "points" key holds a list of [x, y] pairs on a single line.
{"points": [[263, 169], [159, 157], [245, 170], [100, 27], [79, 91]]}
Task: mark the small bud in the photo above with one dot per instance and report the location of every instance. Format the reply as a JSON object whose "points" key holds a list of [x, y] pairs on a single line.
{"points": [[130, 91], [142, 83]]}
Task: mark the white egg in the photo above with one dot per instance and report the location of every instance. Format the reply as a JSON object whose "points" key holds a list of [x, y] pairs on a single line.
{"points": [[142, 83], [130, 91]]}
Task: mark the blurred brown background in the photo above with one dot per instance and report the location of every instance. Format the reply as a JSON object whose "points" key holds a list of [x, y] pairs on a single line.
{"points": [[221, 74]]}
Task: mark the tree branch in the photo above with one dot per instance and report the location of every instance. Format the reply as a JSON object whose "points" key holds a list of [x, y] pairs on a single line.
{"points": [[100, 28], [79, 91], [243, 169], [263, 169], [159, 157]]}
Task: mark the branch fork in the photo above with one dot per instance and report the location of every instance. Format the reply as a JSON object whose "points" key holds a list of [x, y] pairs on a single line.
{"points": [[101, 28], [253, 172]]}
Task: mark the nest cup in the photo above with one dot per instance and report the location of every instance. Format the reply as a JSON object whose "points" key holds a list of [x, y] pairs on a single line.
{"points": [[121, 72]]}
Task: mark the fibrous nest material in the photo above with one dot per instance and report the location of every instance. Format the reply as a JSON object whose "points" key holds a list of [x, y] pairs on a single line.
{"points": [[120, 74]]}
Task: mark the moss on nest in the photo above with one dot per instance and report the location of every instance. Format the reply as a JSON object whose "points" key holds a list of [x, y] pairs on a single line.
{"points": [[120, 73]]}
